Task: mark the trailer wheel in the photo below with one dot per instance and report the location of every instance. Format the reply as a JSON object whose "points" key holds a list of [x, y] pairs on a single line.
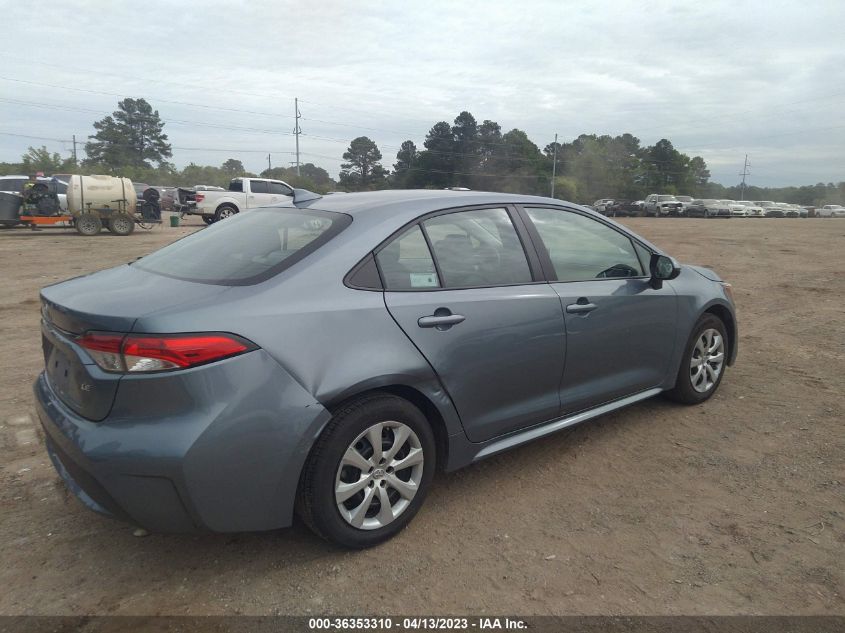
{"points": [[121, 224], [88, 224]]}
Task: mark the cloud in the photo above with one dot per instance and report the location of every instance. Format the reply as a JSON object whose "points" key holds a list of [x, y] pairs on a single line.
{"points": [[720, 79]]}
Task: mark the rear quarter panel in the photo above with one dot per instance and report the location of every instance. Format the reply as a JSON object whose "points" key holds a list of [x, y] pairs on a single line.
{"points": [[334, 341]]}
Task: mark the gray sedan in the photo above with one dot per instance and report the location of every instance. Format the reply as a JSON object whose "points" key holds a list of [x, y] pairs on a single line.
{"points": [[329, 355]]}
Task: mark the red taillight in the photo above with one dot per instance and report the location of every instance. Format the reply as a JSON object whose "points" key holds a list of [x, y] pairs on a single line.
{"points": [[104, 348], [199, 197], [102, 342], [142, 353]]}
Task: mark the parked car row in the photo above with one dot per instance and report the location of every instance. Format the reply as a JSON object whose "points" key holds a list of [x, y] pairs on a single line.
{"points": [[665, 205]]}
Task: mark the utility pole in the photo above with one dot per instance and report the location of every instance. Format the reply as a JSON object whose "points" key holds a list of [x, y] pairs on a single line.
{"points": [[554, 167], [269, 165], [297, 130], [744, 173], [75, 163]]}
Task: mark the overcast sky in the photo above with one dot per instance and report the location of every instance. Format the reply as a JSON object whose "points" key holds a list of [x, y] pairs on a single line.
{"points": [[719, 79]]}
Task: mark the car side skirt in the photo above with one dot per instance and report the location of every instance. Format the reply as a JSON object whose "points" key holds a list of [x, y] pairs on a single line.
{"points": [[469, 453]]}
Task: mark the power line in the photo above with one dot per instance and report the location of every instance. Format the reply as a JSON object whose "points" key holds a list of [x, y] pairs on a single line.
{"points": [[51, 106], [158, 99], [182, 84], [180, 148]]}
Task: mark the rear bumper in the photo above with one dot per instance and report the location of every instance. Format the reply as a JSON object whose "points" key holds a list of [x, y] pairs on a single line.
{"points": [[219, 448]]}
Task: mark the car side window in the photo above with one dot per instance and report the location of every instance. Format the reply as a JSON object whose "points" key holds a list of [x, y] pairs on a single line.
{"points": [[12, 184], [477, 248], [406, 263], [645, 256], [259, 186], [279, 188], [582, 248]]}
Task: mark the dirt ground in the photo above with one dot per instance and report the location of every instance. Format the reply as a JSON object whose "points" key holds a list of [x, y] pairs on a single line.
{"points": [[735, 506]]}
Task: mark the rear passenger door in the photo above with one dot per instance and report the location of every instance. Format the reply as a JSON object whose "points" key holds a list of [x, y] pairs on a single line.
{"points": [[620, 331], [469, 296], [259, 194]]}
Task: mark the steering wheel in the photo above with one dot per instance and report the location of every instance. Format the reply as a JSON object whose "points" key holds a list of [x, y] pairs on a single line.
{"points": [[618, 270]]}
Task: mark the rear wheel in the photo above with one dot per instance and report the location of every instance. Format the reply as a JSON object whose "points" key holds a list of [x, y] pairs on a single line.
{"points": [[369, 471], [88, 224], [225, 211], [121, 224], [703, 363]]}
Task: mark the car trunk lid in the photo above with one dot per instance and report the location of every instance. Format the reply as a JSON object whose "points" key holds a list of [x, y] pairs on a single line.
{"points": [[108, 301]]}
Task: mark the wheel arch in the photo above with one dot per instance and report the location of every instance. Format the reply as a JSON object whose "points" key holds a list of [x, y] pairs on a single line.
{"points": [[226, 203], [727, 317], [413, 395]]}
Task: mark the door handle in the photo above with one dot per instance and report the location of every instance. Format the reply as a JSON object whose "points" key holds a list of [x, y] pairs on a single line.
{"points": [[582, 306], [441, 321]]}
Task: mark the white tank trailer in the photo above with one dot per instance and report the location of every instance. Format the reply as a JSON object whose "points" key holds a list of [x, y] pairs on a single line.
{"points": [[100, 192]]}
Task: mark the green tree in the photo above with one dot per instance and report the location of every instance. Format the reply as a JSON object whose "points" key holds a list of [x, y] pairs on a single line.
{"points": [[437, 161], [132, 136], [466, 160], [233, 167], [41, 159], [406, 158], [362, 169], [311, 177]]}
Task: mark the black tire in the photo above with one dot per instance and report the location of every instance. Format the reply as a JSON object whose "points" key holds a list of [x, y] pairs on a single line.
{"points": [[88, 224], [209, 219], [683, 391], [151, 195], [224, 211], [121, 224], [316, 503]]}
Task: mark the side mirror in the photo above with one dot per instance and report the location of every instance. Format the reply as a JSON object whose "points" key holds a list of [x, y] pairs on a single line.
{"points": [[662, 267]]}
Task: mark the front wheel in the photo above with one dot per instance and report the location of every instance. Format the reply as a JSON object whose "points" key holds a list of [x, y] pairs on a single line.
{"points": [[703, 363], [369, 472], [208, 219]]}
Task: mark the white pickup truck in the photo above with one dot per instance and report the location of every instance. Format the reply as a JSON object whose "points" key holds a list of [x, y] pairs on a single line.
{"points": [[243, 194]]}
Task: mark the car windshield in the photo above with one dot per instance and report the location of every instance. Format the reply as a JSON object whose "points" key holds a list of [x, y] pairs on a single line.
{"points": [[726, 201], [665, 198], [246, 249]]}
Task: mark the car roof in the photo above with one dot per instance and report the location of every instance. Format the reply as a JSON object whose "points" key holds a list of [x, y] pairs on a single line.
{"points": [[407, 204]]}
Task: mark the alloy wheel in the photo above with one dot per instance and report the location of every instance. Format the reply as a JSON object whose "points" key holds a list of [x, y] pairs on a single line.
{"points": [[707, 361], [379, 475]]}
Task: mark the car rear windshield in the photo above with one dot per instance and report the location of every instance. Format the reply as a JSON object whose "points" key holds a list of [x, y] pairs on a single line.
{"points": [[247, 248]]}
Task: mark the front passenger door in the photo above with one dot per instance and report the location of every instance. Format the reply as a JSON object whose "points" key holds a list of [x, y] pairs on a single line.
{"points": [[279, 192], [620, 331]]}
